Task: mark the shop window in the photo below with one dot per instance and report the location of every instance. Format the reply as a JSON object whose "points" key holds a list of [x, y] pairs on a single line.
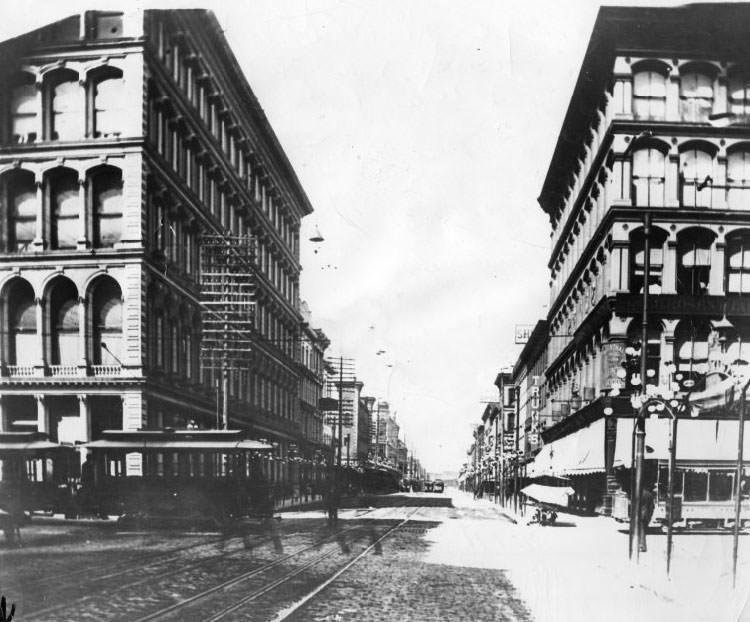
{"points": [[649, 94], [653, 354], [696, 96], [648, 177], [24, 122], [107, 207], [19, 202], [738, 264], [694, 261], [637, 260], [738, 180], [64, 208], [696, 180]]}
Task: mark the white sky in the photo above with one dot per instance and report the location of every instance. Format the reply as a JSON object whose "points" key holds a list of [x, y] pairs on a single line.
{"points": [[421, 130]]}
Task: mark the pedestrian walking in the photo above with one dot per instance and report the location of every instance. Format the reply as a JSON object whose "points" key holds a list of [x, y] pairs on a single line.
{"points": [[332, 504], [648, 501]]}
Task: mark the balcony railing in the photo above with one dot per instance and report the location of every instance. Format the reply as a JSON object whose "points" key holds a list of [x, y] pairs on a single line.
{"points": [[106, 370], [65, 370], [23, 371]]}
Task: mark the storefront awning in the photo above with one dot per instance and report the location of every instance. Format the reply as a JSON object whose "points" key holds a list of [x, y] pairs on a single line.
{"points": [[578, 453], [699, 440]]}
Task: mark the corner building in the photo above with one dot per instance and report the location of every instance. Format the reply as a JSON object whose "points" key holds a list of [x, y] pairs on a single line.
{"points": [[124, 138], [657, 135]]}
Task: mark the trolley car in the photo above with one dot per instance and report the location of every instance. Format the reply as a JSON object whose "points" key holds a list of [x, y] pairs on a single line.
{"points": [[704, 493], [35, 473], [176, 475]]}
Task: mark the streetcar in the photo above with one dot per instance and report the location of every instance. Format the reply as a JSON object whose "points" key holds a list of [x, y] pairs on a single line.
{"points": [[176, 475], [704, 493], [36, 474]]}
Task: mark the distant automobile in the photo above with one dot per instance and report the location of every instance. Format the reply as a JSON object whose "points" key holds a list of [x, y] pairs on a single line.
{"points": [[427, 487], [438, 486]]}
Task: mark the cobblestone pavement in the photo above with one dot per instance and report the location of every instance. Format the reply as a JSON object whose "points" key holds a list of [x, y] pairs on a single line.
{"points": [[90, 571]]}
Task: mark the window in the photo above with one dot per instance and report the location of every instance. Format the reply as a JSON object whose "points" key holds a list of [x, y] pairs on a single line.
{"points": [[108, 98], [649, 94], [637, 260], [696, 96], [696, 485], [653, 352], [694, 261], [65, 208], [107, 207], [691, 347], [24, 123], [19, 202], [738, 180], [696, 169], [720, 485], [22, 320], [738, 264], [648, 177], [64, 323], [739, 93], [66, 95], [107, 322]]}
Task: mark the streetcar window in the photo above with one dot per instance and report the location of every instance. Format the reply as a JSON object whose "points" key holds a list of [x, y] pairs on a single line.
{"points": [[160, 465], [720, 485], [174, 461], [34, 470], [202, 465], [696, 485]]}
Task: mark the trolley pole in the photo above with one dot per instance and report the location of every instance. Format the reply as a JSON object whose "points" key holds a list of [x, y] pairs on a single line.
{"points": [[738, 482], [636, 530], [341, 406]]}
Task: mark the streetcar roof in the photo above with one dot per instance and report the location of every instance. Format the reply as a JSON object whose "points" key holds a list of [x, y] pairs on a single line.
{"points": [[177, 439], [27, 442]]}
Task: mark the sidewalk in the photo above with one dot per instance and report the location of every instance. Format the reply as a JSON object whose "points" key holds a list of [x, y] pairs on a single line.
{"points": [[579, 570]]}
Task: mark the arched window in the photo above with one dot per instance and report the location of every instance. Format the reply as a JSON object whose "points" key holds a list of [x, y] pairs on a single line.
{"points": [[107, 104], [739, 93], [65, 208], [738, 179], [696, 177], [19, 203], [66, 106], [64, 323], [107, 322], [691, 347], [648, 177], [107, 206], [649, 93], [738, 264], [694, 261], [696, 96], [24, 122], [21, 323], [637, 260]]}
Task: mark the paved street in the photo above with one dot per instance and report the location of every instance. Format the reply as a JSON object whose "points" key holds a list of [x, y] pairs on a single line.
{"points": [[420, 557]]}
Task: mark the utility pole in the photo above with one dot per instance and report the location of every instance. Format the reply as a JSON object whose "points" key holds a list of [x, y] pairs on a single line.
{"points": [[341, 406]]}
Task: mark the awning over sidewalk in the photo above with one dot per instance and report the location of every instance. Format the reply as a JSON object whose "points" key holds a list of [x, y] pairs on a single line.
{"points": [[703, 440], [579, 453]]}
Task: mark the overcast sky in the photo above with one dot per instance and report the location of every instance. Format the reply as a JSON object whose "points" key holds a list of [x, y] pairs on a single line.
{"points": [[422, 132]]}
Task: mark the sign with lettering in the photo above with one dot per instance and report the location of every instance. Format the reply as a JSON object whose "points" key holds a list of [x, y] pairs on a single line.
{"points": [[523, 332]]}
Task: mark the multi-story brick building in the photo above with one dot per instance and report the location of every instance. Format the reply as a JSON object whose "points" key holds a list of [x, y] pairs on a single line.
{"points": [[125, 138], [654, 148]]}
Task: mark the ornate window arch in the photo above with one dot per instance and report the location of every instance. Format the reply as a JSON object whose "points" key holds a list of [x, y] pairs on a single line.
{"points": [[107, 206], [18, 200], [696, 92], [650, 90], [63, 322], [696, 174], [106, 321], [64, 94], [737, 270], [24, 109], [649, 172], [637, 260], [694, 260], [19, 308], [64, 207], [738, 177], [106, 98]]}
